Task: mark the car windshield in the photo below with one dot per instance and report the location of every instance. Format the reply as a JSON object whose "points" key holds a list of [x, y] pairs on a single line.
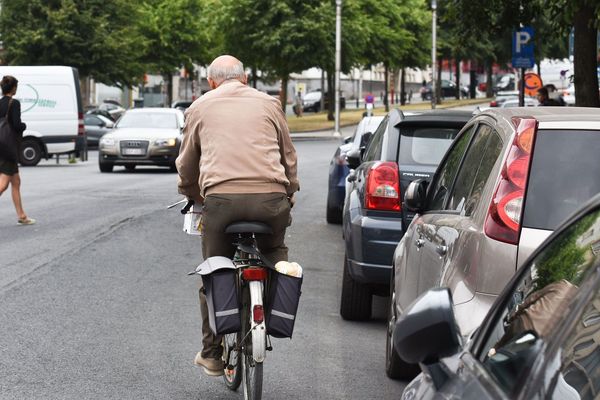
{"points": [[425, 145], [564, 175], [148, 120], [312, 96]]}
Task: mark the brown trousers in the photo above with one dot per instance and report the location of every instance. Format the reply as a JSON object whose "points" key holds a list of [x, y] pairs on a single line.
{"points": [[221, 210]]}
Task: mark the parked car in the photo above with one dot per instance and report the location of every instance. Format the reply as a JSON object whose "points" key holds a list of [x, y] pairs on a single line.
{"points": [[448, 89], [501, 97], [507, 82], [540, 339], [142, 136], [403, 148], [509, 179], [182, 105], [113, 108], [510, 101], [52, 108], [95, 127], [338, 167], [312, 101]]}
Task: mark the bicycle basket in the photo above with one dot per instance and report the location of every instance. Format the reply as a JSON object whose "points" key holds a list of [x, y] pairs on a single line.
{"points": [[283, 298]]}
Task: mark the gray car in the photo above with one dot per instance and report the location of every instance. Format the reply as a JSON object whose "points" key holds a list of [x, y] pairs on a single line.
{"points": [[540, 340], [509, 179], [143, 136]]}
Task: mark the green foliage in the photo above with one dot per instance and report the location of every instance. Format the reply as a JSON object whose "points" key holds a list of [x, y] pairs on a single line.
{"points": [[97, 37], [176, 34]]}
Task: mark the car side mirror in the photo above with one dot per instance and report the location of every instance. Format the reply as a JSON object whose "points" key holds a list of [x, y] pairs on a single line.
{"points": [[348, 139], [354, 158], [415, 195], [427, 332], [110, 125], [365, 139]]}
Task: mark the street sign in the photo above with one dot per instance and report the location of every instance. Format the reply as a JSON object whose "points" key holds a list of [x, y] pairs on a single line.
{"points": [[522, 54], [533, 82]]}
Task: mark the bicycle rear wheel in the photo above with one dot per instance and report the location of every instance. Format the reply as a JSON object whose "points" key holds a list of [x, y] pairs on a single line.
{"points": [[253, 378], [233, 375]]}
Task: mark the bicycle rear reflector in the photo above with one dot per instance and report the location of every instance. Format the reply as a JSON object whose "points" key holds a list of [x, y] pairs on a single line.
{"points": [[254, 274], [258, 314]]}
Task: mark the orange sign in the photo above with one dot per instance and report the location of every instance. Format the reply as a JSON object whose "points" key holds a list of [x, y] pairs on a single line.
{"points": [[532, 83]]}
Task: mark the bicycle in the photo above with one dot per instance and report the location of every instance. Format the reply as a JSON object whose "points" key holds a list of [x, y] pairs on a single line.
{"points": [[244, 350]]}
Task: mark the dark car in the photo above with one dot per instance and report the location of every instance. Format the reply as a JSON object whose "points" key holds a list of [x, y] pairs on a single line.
{"points": [[338, 167], [402, 149], [95, 127], [312, 101], [182, 104], [540, 339], [448, 89]]}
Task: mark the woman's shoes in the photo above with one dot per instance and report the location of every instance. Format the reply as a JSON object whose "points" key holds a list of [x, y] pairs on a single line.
{"points": [[26, 221]]}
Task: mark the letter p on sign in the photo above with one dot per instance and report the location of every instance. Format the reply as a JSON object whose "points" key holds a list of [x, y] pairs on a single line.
{"points": [[523, 37]]}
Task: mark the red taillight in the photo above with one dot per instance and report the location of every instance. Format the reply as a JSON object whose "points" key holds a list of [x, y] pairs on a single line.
{"points": [[80, 125], [503, 221], [493, 103], [382, 189], [258, 314], [254, 274]]}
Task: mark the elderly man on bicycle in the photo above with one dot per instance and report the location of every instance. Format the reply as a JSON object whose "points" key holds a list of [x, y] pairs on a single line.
{"points": [[238, 160]]}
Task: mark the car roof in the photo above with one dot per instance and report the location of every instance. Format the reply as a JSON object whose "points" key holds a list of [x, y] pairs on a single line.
{"points": [[549, 114], [154, 109], [437, 116]]}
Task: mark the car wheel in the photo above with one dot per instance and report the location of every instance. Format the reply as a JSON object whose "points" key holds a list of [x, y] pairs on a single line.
{"points": [[31, 152], [356, 298], [395, 367], [130, 167], [105, 167], [334, 214]]}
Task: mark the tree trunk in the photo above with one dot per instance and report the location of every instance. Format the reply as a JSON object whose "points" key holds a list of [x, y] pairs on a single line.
{"points": [[457, 73], [254, 77], [585, 58], [473, 80], [330, 95], [283, 93], [322, 106], [403, 87], [438, 86], [169, 89], [489, 86], [84, 83], [386, 102]]}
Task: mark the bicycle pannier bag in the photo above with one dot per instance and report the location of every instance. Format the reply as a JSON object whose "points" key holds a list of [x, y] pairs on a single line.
{"points": [[219, 282], [282, 304], [8, 138]]}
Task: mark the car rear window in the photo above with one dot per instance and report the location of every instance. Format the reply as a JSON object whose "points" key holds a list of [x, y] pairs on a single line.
{"points": [[564, 175], [425, 146]]}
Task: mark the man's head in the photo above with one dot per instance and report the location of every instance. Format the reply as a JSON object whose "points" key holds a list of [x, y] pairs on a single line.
{"points": [[225, 68], [542, 94]]}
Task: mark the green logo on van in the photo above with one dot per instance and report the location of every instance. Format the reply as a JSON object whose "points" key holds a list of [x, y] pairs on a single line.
{"points": [[34, 100]]}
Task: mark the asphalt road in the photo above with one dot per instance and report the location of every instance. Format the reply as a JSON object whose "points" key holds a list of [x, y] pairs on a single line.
{"points": [[95, 302]]}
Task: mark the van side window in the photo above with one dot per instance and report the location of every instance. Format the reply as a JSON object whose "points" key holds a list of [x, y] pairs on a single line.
{"points": [[373, 152], [475, 170], [439, 190]]}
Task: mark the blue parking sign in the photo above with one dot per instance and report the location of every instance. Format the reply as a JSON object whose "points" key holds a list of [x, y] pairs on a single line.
{"points": [[522, 55]]}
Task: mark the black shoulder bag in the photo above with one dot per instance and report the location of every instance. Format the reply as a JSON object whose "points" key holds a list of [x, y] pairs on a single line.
{"points": [[8, 138]]}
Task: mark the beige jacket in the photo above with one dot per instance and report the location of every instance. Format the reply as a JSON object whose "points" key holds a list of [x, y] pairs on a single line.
{"points": [[236, 140]]}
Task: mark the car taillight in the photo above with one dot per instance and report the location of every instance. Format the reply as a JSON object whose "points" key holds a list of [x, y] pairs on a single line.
{"points": [[503, 221], [80, 125], [382, 189], [254, 274], [258, 314], [493, 103]]}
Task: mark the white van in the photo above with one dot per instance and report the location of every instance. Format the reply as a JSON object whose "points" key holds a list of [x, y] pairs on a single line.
{"points": [[51, 107]]}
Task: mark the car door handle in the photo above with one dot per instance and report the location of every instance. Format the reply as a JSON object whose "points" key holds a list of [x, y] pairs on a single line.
{"points": [[441, 250], [419, 243]]}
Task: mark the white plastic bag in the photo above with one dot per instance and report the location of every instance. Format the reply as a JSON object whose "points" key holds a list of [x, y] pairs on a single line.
{"points": [[192, 221]]}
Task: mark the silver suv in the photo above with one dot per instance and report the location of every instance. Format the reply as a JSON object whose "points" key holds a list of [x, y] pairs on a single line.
{"points": [[508, 180]]}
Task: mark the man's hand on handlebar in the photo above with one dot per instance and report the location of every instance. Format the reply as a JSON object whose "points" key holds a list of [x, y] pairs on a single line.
{"points": [[292, 200]]}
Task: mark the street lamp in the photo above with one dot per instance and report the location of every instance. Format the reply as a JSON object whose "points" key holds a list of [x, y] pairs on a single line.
{"points": [[433, 55], [338, 62]]}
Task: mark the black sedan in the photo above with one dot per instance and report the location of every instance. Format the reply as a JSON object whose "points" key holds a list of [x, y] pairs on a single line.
{"points": [[540, 340]]}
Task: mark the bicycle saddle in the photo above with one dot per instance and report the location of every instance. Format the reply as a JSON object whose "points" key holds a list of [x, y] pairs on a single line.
{"points": [[249, 227]]}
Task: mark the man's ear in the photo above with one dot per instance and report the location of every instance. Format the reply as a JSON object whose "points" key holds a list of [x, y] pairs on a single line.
{"points": [[212, 84], [245, 80]]}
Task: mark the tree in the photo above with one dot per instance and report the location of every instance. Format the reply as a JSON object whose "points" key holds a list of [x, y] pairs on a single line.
{"points": [[97, 37], [176, 36]]}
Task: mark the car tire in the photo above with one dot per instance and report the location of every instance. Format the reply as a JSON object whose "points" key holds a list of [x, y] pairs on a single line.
{"points": [[130, 167], [334, 215], [31, 152], [105, 167], [395, 367], [356, 298]]}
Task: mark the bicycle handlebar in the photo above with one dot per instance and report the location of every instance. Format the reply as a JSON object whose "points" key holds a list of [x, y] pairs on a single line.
{"points": [[187, 206]]}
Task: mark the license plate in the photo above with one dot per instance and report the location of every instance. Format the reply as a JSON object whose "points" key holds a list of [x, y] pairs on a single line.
{"points": [[133, 152]]}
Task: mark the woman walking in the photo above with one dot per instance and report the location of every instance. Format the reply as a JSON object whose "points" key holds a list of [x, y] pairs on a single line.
{"points": [[9, 170]]}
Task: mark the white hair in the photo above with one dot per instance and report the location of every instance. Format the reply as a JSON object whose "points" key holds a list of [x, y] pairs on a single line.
{"points": [[220, 73]]}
